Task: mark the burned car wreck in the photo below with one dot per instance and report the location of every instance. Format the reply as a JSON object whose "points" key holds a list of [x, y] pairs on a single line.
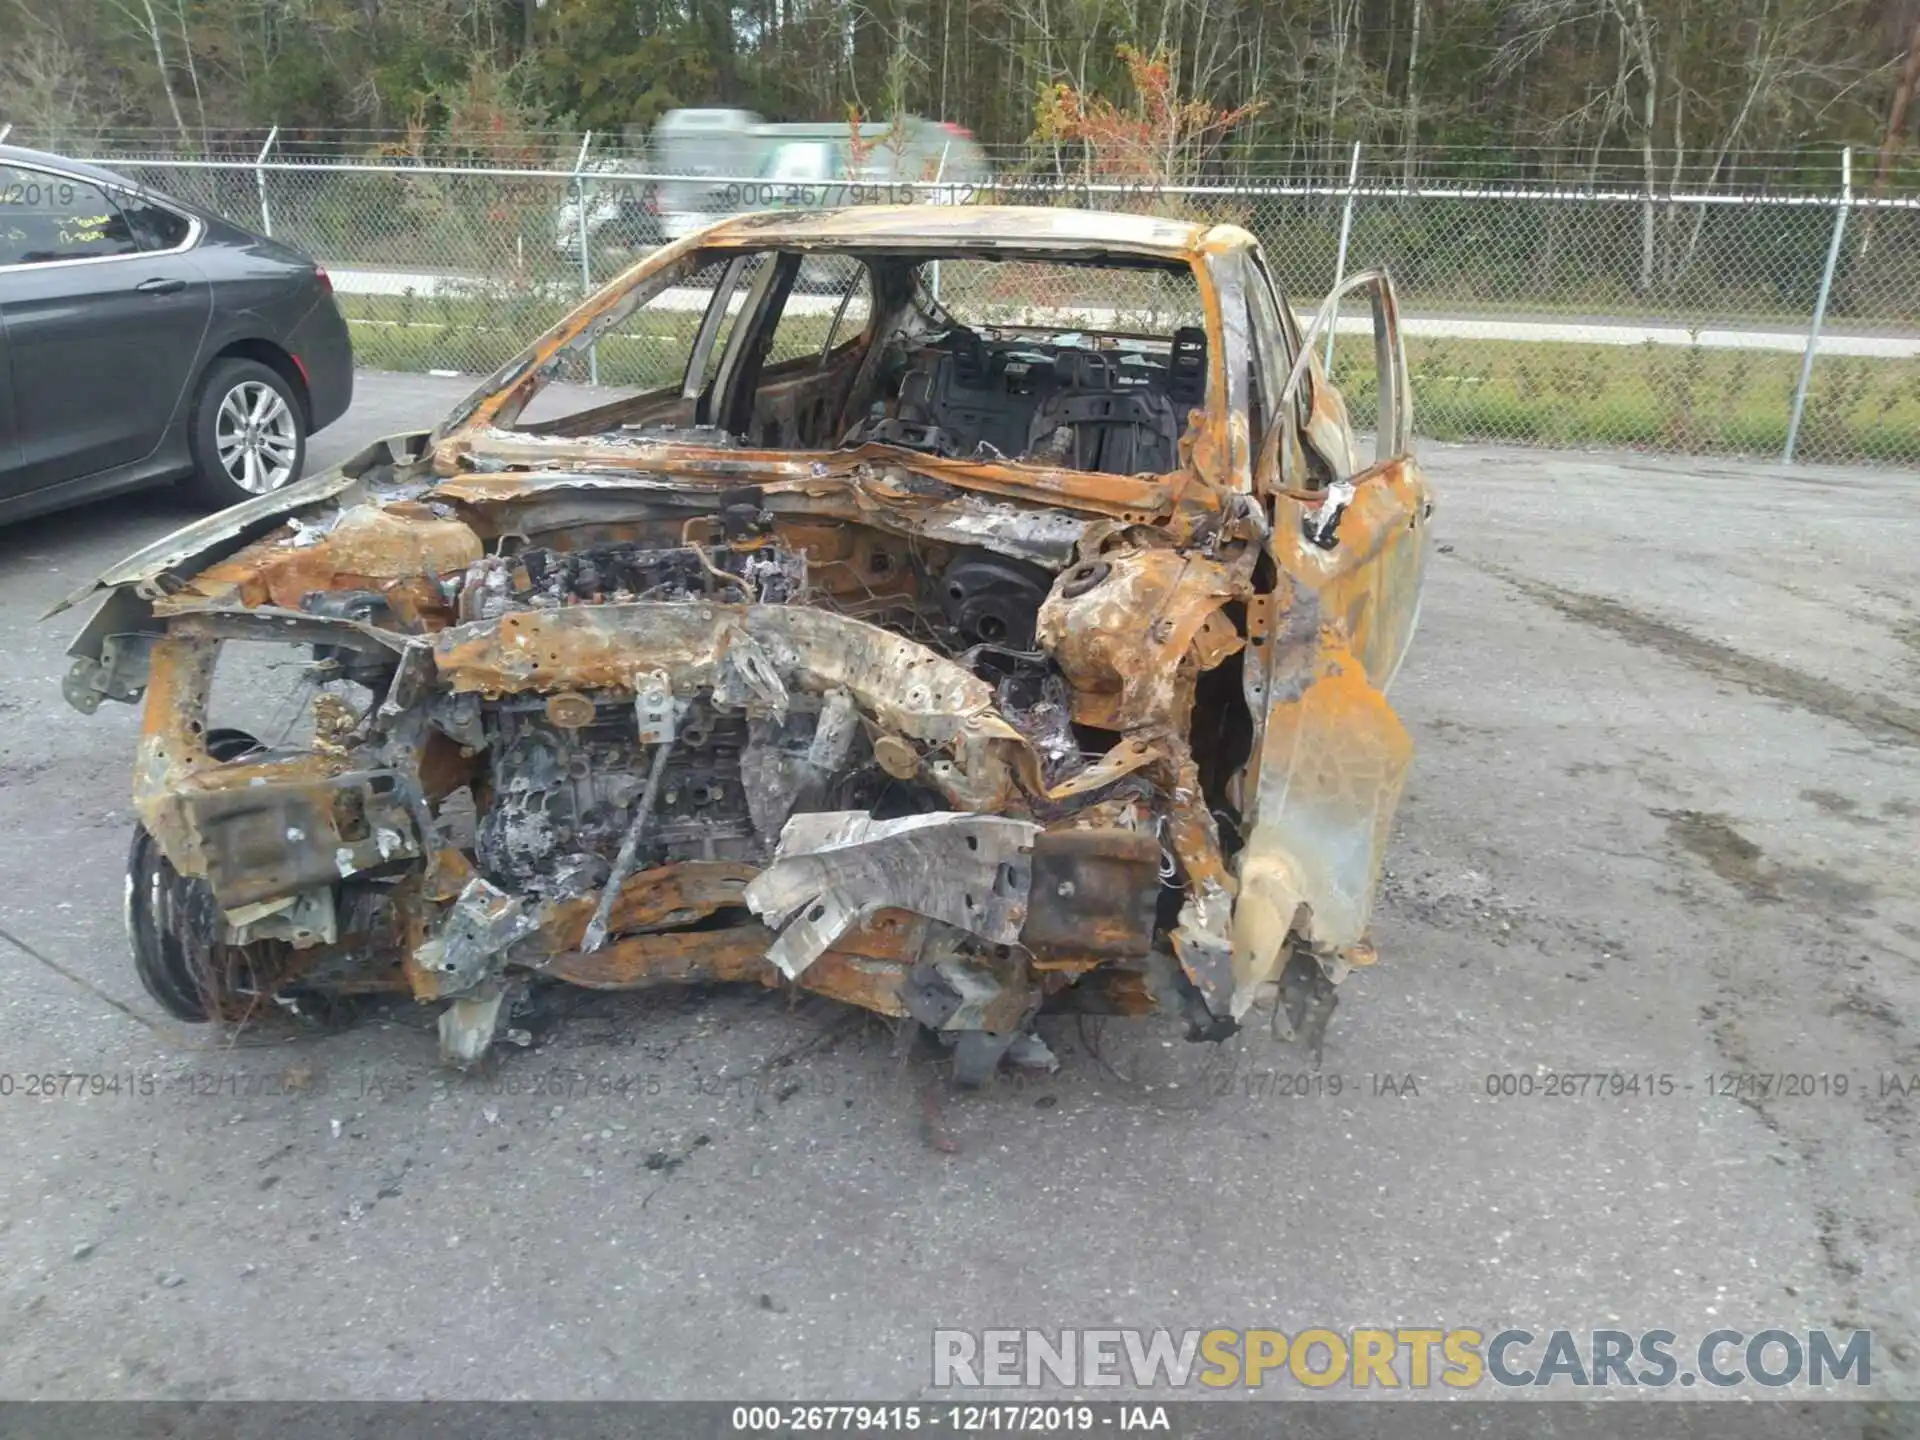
{"points": [[958, 612]]}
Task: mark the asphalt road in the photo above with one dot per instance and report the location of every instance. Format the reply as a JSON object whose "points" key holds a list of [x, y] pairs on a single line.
{"points": [[1662, 823]]}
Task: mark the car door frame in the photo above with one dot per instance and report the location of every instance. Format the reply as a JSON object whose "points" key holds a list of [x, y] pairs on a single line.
{"points": [[1366, 537], [1393, 430], [1329, 756]]}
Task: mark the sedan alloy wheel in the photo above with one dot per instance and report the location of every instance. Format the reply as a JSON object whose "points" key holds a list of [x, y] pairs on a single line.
{"points": [[256, 437]]}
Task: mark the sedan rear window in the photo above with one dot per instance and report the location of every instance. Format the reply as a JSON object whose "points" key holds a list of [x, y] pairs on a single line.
{"points": [[154, 226], [46, 217]]}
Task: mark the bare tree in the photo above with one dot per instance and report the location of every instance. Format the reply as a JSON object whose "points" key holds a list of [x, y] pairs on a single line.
{"points": [[1897, 112], [193, 70], [49, 83], [1413, 92], [148, 24]]}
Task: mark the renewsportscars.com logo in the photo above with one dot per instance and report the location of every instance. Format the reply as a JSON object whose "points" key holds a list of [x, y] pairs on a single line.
{"points": [[1401, 1358]]}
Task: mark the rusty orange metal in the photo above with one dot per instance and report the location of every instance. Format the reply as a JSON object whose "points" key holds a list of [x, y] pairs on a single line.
{"points": [[659, 899], [1263, 568], [676, 957]]}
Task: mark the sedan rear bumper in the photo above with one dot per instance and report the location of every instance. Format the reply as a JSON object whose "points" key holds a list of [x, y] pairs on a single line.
{"points": [[324, 349]]}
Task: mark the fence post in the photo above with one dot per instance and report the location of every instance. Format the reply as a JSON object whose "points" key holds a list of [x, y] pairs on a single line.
{"points": [[1340, 260], [1820, 303], [260, 181], [939, 174], [586, 255]]}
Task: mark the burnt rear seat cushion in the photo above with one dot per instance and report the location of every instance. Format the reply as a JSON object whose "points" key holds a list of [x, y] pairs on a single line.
{"points": [[1121, 431]]}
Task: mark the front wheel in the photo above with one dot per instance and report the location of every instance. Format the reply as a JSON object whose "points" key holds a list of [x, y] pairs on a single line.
{"points": [[249, 433], [174, 925], [173, 929]]}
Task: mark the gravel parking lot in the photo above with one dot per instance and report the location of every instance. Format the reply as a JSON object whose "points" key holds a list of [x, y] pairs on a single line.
{"points": [[1663, 822]]}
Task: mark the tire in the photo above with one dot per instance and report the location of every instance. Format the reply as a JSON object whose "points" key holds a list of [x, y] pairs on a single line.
{"points": [[249, 434], [173, 922], [168, 918]]}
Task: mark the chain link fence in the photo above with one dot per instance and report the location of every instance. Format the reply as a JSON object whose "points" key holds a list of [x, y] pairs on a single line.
{"points": [[1566, 317]]}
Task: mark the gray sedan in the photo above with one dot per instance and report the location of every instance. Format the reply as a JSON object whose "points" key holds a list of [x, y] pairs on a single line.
{"points": [[144, 341]]}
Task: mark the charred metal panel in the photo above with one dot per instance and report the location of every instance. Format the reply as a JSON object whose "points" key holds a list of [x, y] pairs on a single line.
{"points": [[266, 840], [971, 872], [951, 737], [1094, 895]]}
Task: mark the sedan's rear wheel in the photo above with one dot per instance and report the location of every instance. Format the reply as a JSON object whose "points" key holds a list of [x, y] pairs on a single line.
{"points": [[249, 433]]}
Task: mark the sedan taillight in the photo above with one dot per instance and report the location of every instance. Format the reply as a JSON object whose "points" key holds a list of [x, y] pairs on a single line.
{"points": [[326, 280]]}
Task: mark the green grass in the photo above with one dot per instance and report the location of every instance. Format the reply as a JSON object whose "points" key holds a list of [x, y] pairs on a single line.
{"points": [[1674, 398], [1662, 397], [442, 332]]}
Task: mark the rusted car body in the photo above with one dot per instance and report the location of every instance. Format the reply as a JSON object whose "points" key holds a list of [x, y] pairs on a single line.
{"points": [[953, 669]]}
